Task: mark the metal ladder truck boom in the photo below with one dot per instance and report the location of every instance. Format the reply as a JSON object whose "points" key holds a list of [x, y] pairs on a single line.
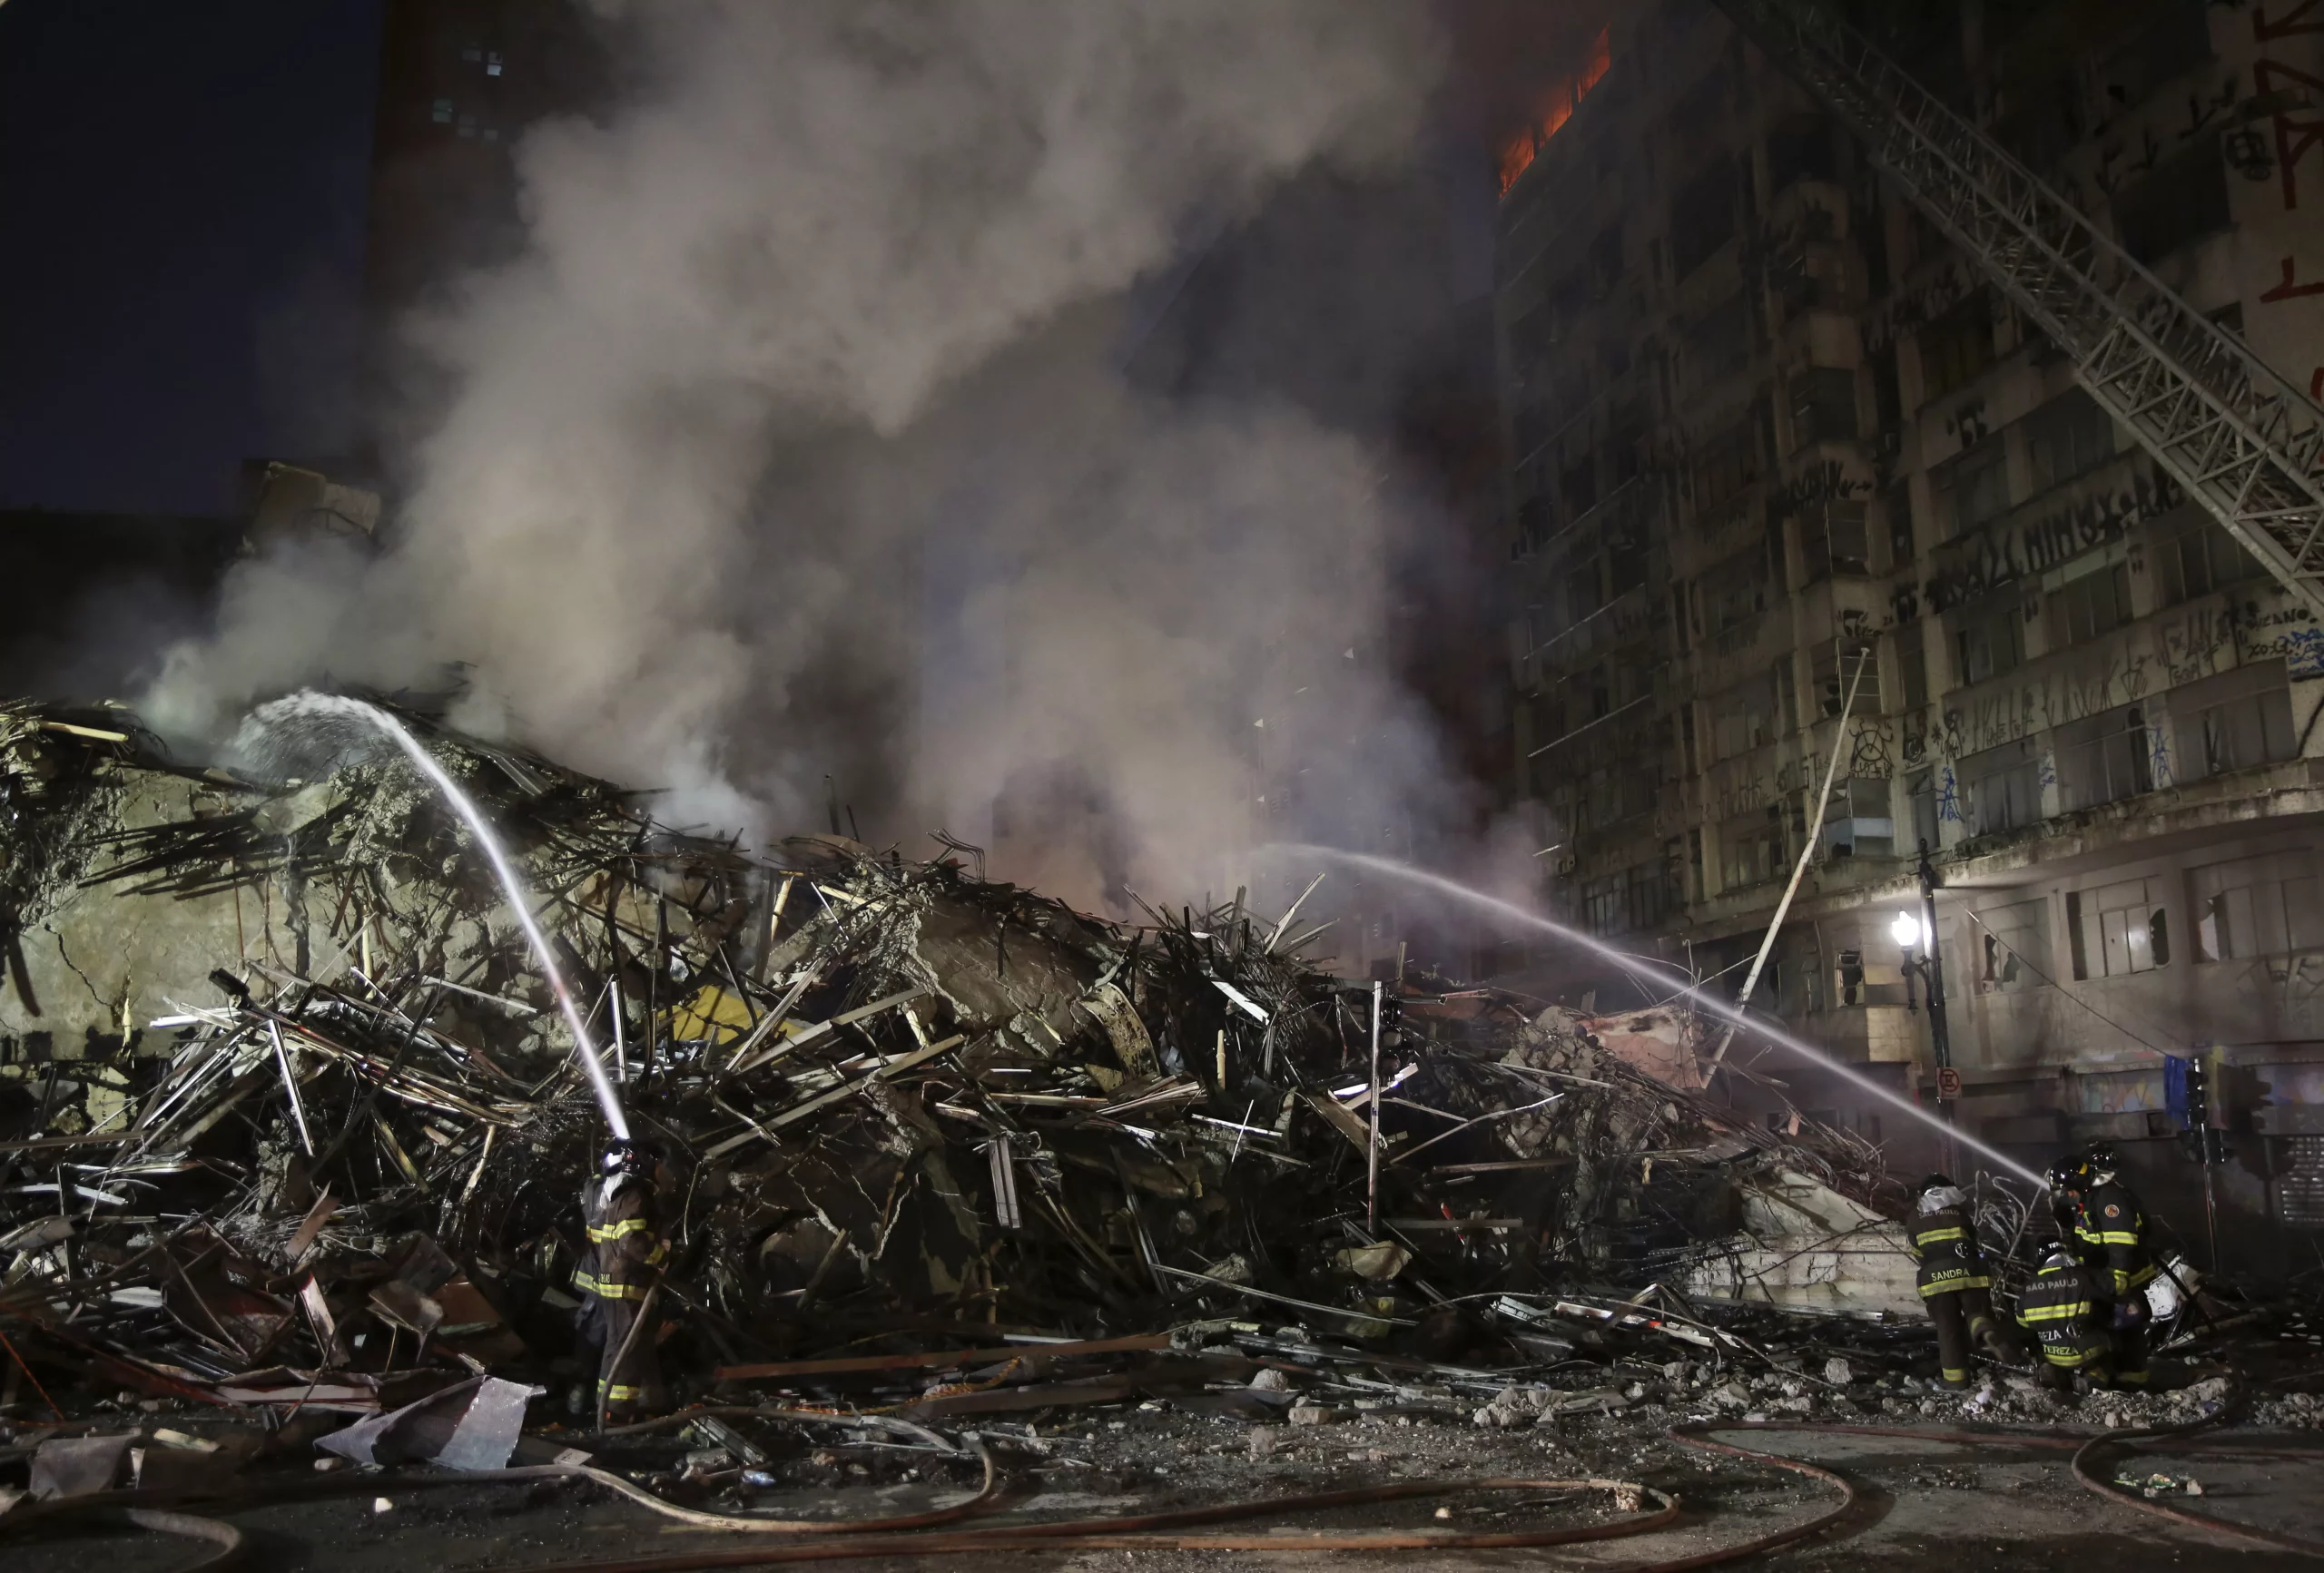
{"points": [[2236, 436]]}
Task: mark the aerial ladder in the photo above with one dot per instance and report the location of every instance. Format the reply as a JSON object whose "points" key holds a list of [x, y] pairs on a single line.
{"points": [[2236, 436]]}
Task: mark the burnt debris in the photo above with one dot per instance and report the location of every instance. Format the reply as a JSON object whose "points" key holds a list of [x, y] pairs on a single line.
{"points": [[289, 1124]]}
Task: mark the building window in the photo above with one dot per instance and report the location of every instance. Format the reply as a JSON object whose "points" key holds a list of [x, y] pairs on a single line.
{"points": [[2003, 786], [1911, 661], [2094, 603], [2181, 202], [1920, 790], [1535, 525], [1649, 896], [1725, 464], [2200, 559], [1584, 590], [1988, 639], [1625, 558], [1702, 218], [1734, 593], [1823, 406], [1834, 539], [2065, 437], [2173, 42], [1858, 823], [2011, 947], [1800, 149], [1971, 488], [2269, 906], [1753, 847], [1887, 392], [2118, 929], [2105, 757], [1722, 343], [1896, 503], [1956, 346], [440, 112], [2233, 721], [1742, 718], [1833, 668], [1577, 485], [1602, 905]]}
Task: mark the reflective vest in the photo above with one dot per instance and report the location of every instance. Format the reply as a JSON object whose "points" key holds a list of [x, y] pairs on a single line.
{"points": [[1944, 1242], [625, 1248], [2110, 1231], [2055, 1308]]}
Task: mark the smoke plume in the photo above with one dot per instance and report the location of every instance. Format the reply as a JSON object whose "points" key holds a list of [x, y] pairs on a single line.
{"points": [[797, 444]]}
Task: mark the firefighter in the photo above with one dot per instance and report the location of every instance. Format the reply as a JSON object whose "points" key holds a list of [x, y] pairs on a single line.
{"points": [[2109, 1234], [2067, 1179], [1954, 1281], [2056, 1308], [625, 1258]]}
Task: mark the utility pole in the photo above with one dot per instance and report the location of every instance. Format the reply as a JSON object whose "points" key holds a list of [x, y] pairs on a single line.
{"points": [[1918, 933], [1940, 1039]]}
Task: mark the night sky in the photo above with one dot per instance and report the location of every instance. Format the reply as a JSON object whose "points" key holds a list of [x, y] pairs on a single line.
{"points": [[183, 188]]}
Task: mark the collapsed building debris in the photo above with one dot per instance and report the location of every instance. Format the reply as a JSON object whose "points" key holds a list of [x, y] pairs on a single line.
{"points": [[289, 1125]]}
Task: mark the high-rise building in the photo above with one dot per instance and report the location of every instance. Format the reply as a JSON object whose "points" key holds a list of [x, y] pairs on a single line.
{"points": [[458, 81], [1792, 483]]}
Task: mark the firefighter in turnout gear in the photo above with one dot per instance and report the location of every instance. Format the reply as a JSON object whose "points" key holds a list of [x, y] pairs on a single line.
{"points": [[2110, 1235], [1954, 1281], [2057, 1310], [625, 1257]]}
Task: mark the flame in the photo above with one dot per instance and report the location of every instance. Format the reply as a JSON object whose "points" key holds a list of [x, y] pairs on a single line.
{"points": [[1557, 105]]}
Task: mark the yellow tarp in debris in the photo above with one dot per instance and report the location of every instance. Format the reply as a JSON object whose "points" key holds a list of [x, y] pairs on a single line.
{"points": [[712, 1014]]}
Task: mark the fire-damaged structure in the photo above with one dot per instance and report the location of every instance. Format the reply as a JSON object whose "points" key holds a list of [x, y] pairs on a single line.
{"points": [[1827, 353], [284, 1089], [292, 1127]]}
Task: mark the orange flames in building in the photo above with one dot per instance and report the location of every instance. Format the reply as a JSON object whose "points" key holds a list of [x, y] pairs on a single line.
{"points": [[1564, 97]]}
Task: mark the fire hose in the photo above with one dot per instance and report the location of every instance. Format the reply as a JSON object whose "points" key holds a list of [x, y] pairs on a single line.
{"points": [[818, 1541], [2084, 1450]]}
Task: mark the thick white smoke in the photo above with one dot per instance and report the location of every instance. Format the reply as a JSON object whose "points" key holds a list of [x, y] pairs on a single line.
{"points": [[794, 444]]}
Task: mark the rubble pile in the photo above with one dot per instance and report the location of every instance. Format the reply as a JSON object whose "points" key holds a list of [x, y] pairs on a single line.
{"points": [[290, 1118]]}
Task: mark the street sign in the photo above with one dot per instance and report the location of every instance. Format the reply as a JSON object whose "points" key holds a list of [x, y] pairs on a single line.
{"points": [[1948, 1084]]}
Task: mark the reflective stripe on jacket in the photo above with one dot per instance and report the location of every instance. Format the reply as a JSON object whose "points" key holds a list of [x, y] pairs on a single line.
{"points": [[2109, 1231], [1944, 1244], [2056, 1308], [625, 1247]]}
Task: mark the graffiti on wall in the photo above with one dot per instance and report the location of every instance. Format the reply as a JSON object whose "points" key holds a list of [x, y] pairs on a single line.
{"points": [[2025, 545]]}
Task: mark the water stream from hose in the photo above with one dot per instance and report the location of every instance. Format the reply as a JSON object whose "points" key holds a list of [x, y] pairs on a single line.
{"points": [[1709, 1001], [309, 705]]}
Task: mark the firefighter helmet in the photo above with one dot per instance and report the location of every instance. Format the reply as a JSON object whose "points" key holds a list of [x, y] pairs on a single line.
{"points": [[625, 1156], [2053, 1253]]}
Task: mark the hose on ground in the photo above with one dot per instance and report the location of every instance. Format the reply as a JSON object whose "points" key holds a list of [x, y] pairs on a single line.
{"points": [[2082, 1449], [227, 1545], [910, 1535]]}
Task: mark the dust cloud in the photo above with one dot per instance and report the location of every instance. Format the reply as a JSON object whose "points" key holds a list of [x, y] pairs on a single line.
{"points": [[797, 446]]}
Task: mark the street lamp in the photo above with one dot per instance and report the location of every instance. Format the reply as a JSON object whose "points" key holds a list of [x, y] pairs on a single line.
{"points": [[1911, 932]]}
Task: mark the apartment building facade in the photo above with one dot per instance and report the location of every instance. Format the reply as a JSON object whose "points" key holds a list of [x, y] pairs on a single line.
{"points": [[1791, 484]]}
